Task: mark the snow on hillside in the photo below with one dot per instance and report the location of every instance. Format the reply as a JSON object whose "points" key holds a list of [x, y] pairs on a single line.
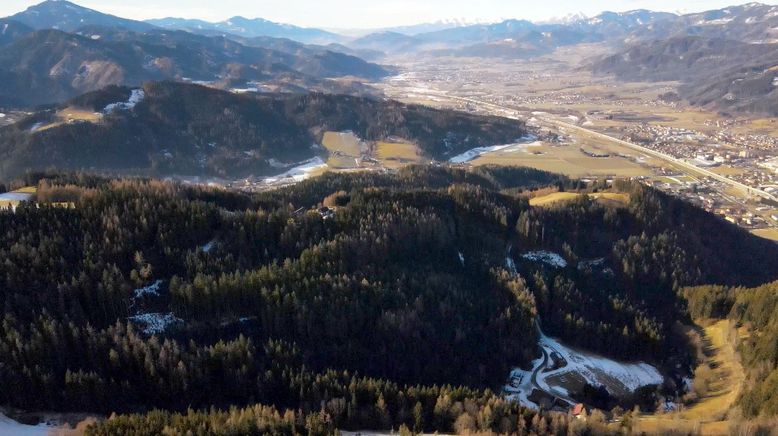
{"points": [[300, 172], [209, 246], [547, 257], [476, 152], [13, 428], [136, 96], [155, 323], [511, 265], [617, 377], [152, 290], [479, 151]]}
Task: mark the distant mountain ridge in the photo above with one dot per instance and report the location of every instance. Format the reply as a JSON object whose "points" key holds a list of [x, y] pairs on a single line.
{"points": [[57, 50], [514, 38], [751, 22], [725, 59], [250, 28], [723, 56]]}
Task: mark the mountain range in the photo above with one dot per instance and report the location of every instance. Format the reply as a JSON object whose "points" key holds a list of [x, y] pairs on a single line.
{"points": [[753, 23], [250, 28], [514, 38], [57, 50], [725, 59]]}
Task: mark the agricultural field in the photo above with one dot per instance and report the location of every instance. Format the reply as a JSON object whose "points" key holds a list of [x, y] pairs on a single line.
{"points": [[27, 190], [345, 150], [565, 159], [770, 233], [616, 198], [397, 154], [725, 170], [71, 113]]}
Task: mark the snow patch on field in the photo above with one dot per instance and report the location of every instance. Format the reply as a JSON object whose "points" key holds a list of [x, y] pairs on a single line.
{"points": [[598, 370], [136, 96], [547, 257], [15, 196], [617, 377], [301, 172], [476, 152], [479, 151], [13, 428], [155, 323]]}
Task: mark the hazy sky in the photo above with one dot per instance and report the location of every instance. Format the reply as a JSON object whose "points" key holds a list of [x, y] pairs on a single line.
{"points": [[373, 13]]}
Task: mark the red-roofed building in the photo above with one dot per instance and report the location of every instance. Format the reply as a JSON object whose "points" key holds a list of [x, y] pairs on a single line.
{"points": [[578, 410]]}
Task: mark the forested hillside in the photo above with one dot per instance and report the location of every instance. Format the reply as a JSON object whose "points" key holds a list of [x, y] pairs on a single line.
{"points": [[147, 295], [179, 129], [49, 65], [730, 76]]}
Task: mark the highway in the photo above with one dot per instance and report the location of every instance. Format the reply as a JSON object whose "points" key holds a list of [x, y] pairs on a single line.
{"points": [[675, 161], [653, 153]]}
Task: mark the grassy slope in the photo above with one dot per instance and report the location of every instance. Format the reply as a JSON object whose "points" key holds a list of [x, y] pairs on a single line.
{"points": [[709, 415], [605, 197]]}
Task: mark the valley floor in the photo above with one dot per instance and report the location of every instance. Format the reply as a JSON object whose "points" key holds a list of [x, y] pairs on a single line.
{"points": [[591, 114]]}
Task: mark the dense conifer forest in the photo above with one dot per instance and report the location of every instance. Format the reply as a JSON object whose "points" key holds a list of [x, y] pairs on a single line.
{"points": [[348, 301]]}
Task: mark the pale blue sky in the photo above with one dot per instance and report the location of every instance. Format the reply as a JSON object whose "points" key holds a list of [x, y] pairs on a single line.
{"points": [[373, 13]]}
